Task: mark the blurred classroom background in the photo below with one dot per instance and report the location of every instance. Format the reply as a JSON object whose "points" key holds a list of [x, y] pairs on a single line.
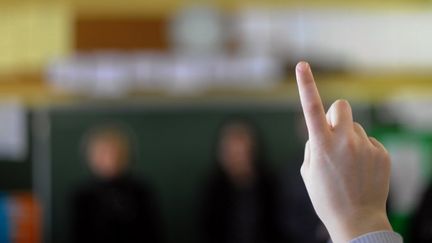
{"points": [[173, 70]]}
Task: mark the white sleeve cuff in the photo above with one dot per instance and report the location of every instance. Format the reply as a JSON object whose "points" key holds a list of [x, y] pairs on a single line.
{"points": [[379, 237]]}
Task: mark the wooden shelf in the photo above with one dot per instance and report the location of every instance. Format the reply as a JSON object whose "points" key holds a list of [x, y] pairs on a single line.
{"points": [[34, 91]]}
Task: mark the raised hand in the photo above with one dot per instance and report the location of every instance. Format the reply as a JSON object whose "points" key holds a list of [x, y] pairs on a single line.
{"points": [[346, 173]]}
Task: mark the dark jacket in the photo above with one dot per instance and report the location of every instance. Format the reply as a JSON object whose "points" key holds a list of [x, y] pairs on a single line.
{"points": [[230, 214], [120, 210]]}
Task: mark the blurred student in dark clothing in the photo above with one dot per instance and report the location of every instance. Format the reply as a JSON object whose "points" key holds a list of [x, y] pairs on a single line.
{"points": [[421, 224], [240, 203], [113, 206]]}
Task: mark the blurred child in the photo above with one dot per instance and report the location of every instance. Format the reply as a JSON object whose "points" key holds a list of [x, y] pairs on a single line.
{"points": [[240, 203], [113, 206]]}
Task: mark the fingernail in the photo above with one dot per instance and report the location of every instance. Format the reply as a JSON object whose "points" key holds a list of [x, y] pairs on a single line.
{"points": [[302, 66]]}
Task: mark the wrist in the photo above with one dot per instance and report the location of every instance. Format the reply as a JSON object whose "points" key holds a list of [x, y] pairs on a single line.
{"points": [[348, 228]]}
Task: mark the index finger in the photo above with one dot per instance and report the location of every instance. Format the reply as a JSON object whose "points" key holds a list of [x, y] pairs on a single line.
{"points": [[310, 99]]}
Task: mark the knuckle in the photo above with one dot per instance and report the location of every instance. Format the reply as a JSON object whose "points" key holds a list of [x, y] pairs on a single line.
{"points": [[303, 170], [383, 157], [358, 129], [386, 152], [386, 156], [358, 125], [342, 104]]}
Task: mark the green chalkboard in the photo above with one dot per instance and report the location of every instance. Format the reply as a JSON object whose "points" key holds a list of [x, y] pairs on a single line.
{"points": [[174, 153], [174, 146]]}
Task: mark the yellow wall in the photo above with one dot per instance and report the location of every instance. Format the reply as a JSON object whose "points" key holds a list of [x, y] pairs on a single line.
{"points": [[32, 33]]}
